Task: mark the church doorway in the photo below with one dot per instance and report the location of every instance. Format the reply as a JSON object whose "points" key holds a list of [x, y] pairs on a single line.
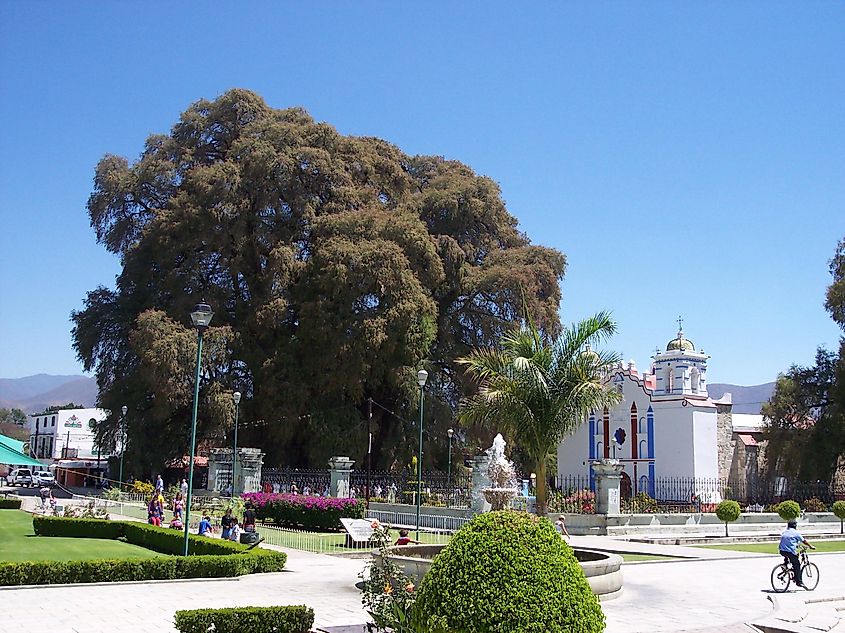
{"points": [[625, 486]]}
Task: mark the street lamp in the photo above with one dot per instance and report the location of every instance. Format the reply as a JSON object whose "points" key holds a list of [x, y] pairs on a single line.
{"points": [[201, 318], [450, 433], [123, 410], [237, 398], [422, 377]]}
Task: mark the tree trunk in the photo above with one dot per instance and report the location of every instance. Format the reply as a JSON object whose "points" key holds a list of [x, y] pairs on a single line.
{"points": [[726, 528], [541, 491]]}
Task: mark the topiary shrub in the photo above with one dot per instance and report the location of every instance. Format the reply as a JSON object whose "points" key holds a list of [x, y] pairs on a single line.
{"points": [[728, 511], [507, 572], [815, 504], [789, 510], [10, 504], [839, 511]]}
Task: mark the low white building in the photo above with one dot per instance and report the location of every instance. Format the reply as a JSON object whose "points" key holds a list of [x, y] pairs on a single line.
{"points": [[65, 440]]}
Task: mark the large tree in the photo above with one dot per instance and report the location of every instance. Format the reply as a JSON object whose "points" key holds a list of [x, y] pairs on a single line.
{"points": [[537, 389], [336, 266], [806, 414]]}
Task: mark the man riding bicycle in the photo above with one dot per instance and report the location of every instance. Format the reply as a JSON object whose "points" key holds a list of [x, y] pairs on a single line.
{"points": [[789, 541]]}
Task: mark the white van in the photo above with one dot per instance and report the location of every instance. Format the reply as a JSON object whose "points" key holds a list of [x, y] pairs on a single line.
{"points": [[20, 477]]}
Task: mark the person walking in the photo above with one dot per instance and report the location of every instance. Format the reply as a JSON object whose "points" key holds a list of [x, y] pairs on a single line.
{"points": [[789, 541], [560, 527], [226, 524], [178, 505], [183, 488], [159, 484]]}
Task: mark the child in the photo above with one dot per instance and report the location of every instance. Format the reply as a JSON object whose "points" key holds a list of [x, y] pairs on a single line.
{"points": [[236, 532], [560, 526], [404, 539], [205, 526], [176, 522]]}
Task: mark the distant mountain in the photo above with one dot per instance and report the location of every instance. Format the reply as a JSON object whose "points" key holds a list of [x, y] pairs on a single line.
{"points": [[33, 394], [745, 399]]}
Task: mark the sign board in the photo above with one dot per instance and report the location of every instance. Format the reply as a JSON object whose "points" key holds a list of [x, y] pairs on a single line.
{"points": [[359, 530], [73, 422]]}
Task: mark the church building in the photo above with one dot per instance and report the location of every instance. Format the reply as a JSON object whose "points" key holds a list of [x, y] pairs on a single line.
{"points": [[667, 429]]}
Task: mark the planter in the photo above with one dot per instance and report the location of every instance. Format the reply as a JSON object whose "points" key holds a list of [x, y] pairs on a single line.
{"points": [[603, 570]]}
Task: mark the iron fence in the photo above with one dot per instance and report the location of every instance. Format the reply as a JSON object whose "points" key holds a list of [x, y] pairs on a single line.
{"points": [[439, 489], [576, 493], [314, 481]]}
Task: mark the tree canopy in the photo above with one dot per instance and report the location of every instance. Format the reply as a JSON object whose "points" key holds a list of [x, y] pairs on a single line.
{"points": [[336, 266], [806, 414]]}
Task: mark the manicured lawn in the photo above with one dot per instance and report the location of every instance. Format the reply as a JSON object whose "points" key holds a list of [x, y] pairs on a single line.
{"points": [[19, 543], [772, 547]]}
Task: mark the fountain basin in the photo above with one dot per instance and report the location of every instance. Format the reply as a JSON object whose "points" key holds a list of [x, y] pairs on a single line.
{"points": [[603, 570]]}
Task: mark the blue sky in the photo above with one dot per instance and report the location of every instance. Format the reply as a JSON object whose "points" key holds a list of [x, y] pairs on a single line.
{"points": [[689, 158]]}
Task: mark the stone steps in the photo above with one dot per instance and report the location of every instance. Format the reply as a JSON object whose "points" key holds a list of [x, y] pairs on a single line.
{"points": [[800, 613]]}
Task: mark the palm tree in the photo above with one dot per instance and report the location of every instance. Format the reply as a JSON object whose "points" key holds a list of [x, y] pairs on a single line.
{"points": [[539, 390]]}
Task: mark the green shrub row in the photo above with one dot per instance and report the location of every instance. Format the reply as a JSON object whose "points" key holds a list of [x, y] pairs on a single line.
{"points": [[10, 504], [212, 558], [158, 539], [115, 570], [297, 619]]}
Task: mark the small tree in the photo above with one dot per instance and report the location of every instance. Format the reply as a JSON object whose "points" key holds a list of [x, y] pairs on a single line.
{"points": [[728, 511], [839, 511], [789, 510]]}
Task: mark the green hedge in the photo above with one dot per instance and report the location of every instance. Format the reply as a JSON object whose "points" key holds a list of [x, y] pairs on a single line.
{"points": [[212, 558], [10, 504], [298, 619]]}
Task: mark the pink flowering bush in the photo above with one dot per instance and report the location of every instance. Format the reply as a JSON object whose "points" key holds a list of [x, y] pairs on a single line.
{"points": [[300, 511]]}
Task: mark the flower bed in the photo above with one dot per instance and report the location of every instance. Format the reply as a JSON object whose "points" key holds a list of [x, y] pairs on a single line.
{"points": [[299, 511]]}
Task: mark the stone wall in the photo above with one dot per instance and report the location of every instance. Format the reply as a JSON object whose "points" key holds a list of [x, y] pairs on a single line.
{"points": [[725, 440]]}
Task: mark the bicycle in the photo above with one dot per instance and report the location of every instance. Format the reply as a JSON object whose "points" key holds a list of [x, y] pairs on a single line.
{"points": [[782, 573]]}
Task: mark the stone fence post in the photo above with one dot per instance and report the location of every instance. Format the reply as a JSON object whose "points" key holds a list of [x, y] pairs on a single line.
{"points": [[340, 471], [608, 477]]}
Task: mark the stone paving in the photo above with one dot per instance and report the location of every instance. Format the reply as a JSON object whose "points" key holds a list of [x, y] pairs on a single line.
{"points": [[714, 593]]}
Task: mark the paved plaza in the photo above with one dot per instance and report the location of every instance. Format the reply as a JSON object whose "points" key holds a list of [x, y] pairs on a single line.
{"points": [[720, 589]]}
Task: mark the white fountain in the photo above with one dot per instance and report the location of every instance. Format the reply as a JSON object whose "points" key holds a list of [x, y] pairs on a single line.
{"points": [[503, 485]]}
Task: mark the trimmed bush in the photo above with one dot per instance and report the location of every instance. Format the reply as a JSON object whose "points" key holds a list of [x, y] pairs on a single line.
{"points": [[839, 511], [298, 619], [507, 572], [299, 511], [78, 528], [788, 510], [728, 511], [10, 504]]}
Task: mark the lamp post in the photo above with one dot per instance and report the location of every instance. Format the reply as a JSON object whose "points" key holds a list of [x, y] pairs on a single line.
{"points": [[201, 318], [237, 398], [123, 410], [422, 377], [450, 433]]}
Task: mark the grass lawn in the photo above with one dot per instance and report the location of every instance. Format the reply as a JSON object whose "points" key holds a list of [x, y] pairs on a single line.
{"points": [[772, 546], [18, 543]]}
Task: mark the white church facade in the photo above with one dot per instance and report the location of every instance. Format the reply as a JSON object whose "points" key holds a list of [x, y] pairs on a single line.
{"points": [[666, 429]]}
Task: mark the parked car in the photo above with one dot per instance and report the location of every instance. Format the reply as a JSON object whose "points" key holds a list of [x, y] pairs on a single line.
{"points": [[20, 477], [44, 478]]}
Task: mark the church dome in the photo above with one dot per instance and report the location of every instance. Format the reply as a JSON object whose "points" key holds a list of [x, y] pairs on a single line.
{"points": [[680, 343]]}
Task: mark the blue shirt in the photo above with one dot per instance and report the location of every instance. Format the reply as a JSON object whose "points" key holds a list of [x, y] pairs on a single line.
{"points": [[789, 541], [205, 526]]}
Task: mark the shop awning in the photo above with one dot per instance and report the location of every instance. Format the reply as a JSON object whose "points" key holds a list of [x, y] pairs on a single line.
{"points": [[15, 445], [15, 458]]}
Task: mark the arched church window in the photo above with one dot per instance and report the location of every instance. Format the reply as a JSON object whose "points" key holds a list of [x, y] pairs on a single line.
{"points": [[599, 448], [643, 484], [643, 448], [669, 379], [694, 376]]}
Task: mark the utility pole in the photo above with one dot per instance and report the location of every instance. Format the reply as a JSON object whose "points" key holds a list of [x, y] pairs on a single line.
{"points": [[369, 446]]}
